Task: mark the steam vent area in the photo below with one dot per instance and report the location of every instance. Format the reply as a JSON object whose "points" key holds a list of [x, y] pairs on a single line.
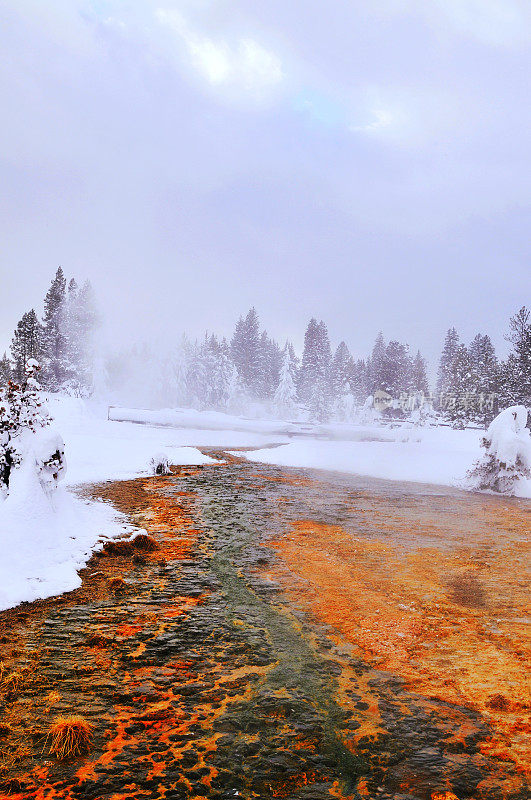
{"points": [[278, 633]]}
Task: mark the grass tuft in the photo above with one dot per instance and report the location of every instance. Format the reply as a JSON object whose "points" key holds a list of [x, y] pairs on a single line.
{"points": [[70, 737], [118, 548], [11, 684], [117, 584], [145, 543]]}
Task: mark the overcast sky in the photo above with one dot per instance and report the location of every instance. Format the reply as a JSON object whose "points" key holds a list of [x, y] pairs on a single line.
{"points": [[363, 162]]}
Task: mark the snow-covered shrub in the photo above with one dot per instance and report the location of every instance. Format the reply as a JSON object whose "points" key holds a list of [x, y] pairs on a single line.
{"points": [[50, 462], [22, 413], [507, 458], [160, 464], [368, 414]]}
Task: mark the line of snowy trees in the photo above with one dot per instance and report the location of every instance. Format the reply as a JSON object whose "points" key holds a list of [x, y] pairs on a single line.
{"points": [[252, 373], [473, 384], [253, 370], [61, 342]]}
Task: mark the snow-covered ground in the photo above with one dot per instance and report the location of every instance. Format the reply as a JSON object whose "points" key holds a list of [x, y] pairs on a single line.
{"points": [[431, 455]]}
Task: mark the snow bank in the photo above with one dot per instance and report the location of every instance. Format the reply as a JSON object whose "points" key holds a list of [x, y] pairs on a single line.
{"points": [[99, 450], [45, 538], [435, 455], [506, 464], [199, 420]]}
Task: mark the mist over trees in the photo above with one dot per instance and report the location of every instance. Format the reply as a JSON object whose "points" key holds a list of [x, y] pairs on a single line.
{"points": [[253, 374], [62, 341]]}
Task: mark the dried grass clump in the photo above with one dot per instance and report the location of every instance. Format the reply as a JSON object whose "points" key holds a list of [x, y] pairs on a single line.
{"points": [[5, 729], [118, 548], [145, 543], [117, 584], [98, 640], [70, 737], [11, 684]]}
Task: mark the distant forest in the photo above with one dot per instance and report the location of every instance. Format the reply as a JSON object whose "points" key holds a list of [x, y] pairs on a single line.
{"points": [[253, 373]]}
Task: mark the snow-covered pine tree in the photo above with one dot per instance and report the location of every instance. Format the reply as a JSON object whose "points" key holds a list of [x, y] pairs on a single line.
{"points": [[340, 371], [285, 399], [269, 359], [507, 458], [419, 377], [294, 362], [6, 373], [196, 378], [224, 374], [517, 370], [319, 402], [314, 378], [460, 404], [395, 374], [238, 398], [21, 411], [245, 351], [309, 370], [54, 359], [359, 381], [376, 366], [444, 374], [72, 336], [485, 379], [27, 344]]}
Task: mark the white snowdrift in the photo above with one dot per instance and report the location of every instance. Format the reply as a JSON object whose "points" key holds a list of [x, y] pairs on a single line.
{"points": [[505, 467], [508, 438], [45, 538], [435, 455]]}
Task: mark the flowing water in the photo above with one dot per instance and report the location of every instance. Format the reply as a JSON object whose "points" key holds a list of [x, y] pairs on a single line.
{"points": [[295, 635]]}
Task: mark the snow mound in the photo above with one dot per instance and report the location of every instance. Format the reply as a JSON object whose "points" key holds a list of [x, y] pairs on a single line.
{"points": [[505, 468], [159, 464], [46, 537]]}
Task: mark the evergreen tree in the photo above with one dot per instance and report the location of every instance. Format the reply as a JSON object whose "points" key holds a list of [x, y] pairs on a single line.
{"points": [[376, 366], [196, 378], [245, 351], [270, 360], [55, 358], [460, 400], [359, 381], [224, 374], [6, 373], [517, 370], [237, 396], [485, 379], [27, 344], [314, 376], [419, 377], [294, 362], [21, 411], [285, 398], [340, 371], [395, 371], [319, 402], [309, 369], [444, 375]]}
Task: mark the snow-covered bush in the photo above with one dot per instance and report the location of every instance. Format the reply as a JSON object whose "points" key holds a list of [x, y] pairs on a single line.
{"points": [[22, 414], [368, 414], [160, 464], [50, 463], [507, 458]]}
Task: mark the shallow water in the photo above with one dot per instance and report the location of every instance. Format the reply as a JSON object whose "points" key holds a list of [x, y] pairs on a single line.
{"points": [[297, 635]]}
